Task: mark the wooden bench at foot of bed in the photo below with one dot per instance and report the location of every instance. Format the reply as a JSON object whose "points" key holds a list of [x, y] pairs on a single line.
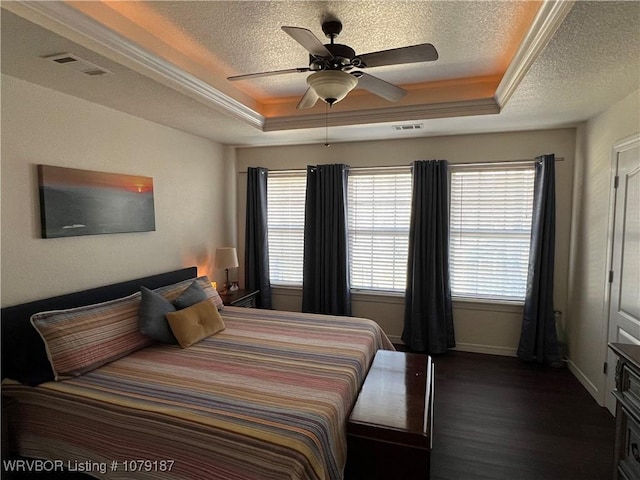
{"points": [[389, 431]]}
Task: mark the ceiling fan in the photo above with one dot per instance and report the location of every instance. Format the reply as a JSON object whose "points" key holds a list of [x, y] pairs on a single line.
{"points": [[333, 65]]}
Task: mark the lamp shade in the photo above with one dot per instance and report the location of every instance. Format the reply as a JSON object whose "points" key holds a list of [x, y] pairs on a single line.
{"points": [[332, 85], [226, 257]]}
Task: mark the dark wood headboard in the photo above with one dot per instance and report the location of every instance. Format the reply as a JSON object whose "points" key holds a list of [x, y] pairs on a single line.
{"points": [[24, 357]]}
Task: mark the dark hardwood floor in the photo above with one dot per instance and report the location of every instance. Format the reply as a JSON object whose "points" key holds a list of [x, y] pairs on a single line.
{"points": [[498, 418]]}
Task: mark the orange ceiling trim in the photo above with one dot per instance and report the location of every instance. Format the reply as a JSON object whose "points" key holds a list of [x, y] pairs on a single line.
{"points": [[143, 26], [140, 23], [521, 28], [442, 91]]}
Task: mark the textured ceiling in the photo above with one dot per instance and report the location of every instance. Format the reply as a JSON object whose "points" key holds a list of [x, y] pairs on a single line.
{"points": [[473, 38], [591, 61]]}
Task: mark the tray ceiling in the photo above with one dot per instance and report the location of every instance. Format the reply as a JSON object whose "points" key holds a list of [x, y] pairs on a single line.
{"points": [[486, 51]]}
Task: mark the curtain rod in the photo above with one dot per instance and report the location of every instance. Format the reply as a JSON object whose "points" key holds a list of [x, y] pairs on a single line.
{"points": [[351, 169], [283, 172], [402, 167], [527, 161]]}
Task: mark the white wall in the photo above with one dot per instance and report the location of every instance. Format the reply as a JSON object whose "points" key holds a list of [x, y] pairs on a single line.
{"points": [[587, 322], [41, 126], [479, 327]]}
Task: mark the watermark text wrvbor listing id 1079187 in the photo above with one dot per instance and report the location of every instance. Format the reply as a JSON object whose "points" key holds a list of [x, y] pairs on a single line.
{"points": [[40, 466]]}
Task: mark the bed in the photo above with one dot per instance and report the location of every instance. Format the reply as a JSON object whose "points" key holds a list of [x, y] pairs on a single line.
{"points": [[268, 397]]}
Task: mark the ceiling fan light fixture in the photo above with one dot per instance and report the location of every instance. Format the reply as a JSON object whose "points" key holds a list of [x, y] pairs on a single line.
{"points": [[332, 85]]}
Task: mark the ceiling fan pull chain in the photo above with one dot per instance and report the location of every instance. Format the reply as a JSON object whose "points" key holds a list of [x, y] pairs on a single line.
{"points": [[326, 125]]}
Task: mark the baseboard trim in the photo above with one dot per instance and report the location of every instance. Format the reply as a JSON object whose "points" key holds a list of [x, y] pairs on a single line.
{"points": [[586, 383], [470, 347], [487, 349]]}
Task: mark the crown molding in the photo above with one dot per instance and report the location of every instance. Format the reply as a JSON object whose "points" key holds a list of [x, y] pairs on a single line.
{"points": [[549, 17], [138, 58], [483, 106]]}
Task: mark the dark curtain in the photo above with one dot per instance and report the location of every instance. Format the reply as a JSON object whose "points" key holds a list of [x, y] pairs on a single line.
{"points": [[428, 316], [256, 246], [325, 276], [538, 339]]}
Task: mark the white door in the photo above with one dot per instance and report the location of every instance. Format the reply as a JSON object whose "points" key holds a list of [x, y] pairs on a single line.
{"points": [[624, 299]]}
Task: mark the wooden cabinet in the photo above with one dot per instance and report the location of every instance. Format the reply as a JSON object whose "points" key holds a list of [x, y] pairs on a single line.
{"points": [[390, 428], [240, 298], [627, 393]]}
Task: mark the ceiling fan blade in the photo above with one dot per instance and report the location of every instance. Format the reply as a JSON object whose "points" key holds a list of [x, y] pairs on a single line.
{"points": [[266, 74], [379, 87], [308, 100], [308, 40], [424, 52]]}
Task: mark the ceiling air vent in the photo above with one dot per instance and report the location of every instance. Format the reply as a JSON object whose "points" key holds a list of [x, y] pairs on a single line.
{"points": [[414, 126], [95, 72], [65, 59], [76, 63]]}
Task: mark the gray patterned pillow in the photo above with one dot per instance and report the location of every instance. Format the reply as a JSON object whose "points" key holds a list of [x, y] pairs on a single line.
{"points": [[192, 295], [152, 319]]}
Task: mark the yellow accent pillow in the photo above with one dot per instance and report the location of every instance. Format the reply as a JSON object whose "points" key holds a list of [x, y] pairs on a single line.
{"points": [[194, 323]]}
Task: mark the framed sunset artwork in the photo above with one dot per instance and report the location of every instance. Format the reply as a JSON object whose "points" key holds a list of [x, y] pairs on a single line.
{"points": [[82, 202]]}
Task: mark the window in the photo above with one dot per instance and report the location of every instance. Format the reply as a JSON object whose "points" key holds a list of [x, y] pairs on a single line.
{"points": [[285, 225], [490, 228], [379, 208]]}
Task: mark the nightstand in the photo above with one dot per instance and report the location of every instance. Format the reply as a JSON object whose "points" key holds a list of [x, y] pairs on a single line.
{"points": [[627, 452], [240, 298]]}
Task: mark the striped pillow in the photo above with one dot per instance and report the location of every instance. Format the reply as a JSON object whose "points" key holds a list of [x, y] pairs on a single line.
{"points": [[81, 339], [171, 292]]}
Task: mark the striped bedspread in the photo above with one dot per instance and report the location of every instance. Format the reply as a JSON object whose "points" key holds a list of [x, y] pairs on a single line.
{"points": [[267, 398]]}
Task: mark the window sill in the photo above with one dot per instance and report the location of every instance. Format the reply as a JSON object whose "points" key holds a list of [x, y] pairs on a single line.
{"points": [[464, 303], [356, 294], [287, 290], [377, 293], [357, 291]]}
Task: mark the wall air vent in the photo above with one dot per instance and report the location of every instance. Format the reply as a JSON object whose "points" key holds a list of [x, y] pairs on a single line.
{"points": [[77, 64], [403, 128]]}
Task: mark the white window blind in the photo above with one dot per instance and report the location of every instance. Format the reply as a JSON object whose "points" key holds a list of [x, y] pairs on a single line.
{"points": [[285, 219], [490, 226], [379, 208]]}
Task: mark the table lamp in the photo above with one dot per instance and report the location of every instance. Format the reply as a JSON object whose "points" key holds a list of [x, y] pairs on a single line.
{"points": [[226, 257]]}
